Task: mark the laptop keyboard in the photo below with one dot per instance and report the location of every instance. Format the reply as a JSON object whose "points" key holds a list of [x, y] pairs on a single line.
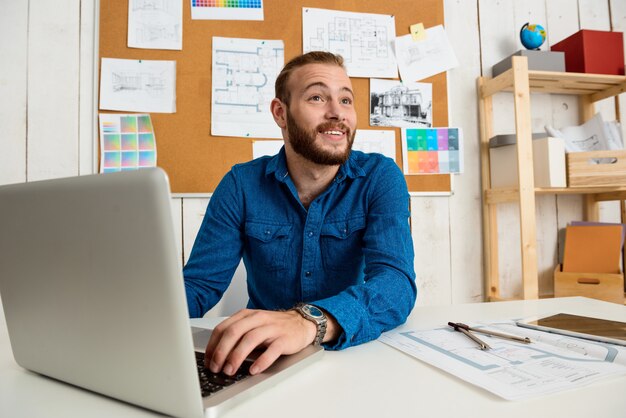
{"points": [[211, 383]]}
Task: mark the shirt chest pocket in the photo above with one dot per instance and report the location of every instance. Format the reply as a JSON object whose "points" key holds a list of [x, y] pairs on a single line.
{"points": [[342, 244], [268, 244]]}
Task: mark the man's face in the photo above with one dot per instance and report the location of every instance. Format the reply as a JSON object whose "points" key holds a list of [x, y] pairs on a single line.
{"points": [[321, 119]]}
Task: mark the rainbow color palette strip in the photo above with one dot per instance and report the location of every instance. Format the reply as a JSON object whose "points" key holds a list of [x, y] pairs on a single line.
{"points": [[432, 150], [227, 9], [127, 142]]}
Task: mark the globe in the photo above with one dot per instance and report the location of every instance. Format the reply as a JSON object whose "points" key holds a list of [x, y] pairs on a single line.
{"points": [[532, 36]]}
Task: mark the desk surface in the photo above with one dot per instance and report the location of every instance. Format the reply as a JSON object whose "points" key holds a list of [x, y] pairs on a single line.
{"points": [[371, 380]]}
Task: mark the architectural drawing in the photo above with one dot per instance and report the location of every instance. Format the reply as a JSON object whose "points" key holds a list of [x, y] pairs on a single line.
{"points": [[155, 24], [153, 85], [138, 85], [244, 73], [364, 40]]}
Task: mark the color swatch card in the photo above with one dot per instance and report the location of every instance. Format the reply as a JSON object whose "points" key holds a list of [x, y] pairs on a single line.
{"points": [[127, 142], [227, 9], [432, 150]]}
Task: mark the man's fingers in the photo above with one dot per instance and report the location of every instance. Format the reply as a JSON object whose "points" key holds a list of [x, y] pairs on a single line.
{"points": [[251, 340], [265, 360], [228, 337], [216, 335], [234, 339]]}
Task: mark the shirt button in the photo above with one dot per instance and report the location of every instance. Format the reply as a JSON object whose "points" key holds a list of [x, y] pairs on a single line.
{"points": [[267, 232], [307, 274], [310, 234]]}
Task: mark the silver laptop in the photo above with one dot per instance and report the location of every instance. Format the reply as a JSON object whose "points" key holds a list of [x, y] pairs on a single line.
{"points": [[93, 294]]}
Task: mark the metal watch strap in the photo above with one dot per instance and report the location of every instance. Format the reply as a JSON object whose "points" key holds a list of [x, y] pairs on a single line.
{"points": [[320, 321]]}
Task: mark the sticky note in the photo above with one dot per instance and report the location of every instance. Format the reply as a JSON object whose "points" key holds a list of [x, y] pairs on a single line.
{"points": [[418, 32]]}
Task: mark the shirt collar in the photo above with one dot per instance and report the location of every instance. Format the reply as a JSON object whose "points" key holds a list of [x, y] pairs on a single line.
{"points": [[278, 166]]}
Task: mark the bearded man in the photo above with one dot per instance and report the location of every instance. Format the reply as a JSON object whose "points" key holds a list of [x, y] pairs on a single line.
{"points": [[323, 232]]}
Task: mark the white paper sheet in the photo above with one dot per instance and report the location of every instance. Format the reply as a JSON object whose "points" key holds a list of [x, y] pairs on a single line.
{"points": [[155, 25], [421, 59], [394, 103], [262, 148], [244, 74], [374, 140], [512, 370], [590, 136], [222, 10], [138, 85], [365, 40]]}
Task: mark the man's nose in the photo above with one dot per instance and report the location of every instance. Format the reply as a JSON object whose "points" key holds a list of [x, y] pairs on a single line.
{"points": [[334, 111]]}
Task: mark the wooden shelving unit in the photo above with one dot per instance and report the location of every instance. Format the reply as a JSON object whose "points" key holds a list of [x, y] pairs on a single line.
{"points": [[521, 83]]}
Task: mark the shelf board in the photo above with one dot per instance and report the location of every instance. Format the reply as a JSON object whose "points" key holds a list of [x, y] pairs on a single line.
{"points": [[600, 86], [503, 195]]}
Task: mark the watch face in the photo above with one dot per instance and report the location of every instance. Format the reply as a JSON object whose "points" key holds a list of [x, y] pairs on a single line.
{"points": [[314, 311]]}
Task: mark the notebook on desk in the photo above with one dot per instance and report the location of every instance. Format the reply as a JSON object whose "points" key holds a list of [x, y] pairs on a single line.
{"points": [[93, 294]]}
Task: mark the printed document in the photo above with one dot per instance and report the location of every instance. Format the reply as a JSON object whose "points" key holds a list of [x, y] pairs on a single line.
{"points": [[244, 74], [155, 25], [364, 40], [418, 60], [138, 85], [513, 370]]}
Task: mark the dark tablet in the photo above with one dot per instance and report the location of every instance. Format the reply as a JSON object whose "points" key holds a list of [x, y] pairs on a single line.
{"points": [[596, 329]]}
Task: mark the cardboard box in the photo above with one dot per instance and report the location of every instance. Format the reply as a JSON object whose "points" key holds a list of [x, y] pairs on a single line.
{"points": [[537, 60], [593, 51], [607, 287], [548, 163]]}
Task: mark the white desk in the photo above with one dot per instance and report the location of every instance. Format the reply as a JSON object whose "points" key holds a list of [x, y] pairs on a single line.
{"points": [[371, 380]]}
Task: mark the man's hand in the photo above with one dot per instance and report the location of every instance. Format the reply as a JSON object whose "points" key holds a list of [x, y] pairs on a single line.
{"points": [[282, 332]]}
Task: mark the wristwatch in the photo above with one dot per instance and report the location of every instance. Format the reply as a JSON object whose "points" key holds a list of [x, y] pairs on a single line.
{"points": [[315, 315]]}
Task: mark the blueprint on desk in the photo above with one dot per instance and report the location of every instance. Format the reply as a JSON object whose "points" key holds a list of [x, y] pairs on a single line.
{"points": [[513, 370]]}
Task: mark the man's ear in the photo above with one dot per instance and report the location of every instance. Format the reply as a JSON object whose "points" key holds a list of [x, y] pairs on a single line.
{"points": [[279, 112]]}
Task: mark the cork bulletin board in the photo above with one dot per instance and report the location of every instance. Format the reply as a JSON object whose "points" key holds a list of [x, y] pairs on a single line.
{"points": [[194, 159]]}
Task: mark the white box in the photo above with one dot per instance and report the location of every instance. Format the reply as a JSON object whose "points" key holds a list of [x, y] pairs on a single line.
{"points": [[548, 162]]}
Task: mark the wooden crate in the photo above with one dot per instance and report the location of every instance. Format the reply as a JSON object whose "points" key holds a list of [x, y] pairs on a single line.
{"points": [[583, 171], [603, 286]]}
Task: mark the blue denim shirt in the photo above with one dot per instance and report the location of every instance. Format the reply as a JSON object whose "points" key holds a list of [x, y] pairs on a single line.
{"points": [[350, 253]]}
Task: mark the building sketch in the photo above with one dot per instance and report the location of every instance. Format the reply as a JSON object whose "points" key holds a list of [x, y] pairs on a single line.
{"points": [[153, 5], [153, 84], [155, 24], [149, 33], [400, 106], [138, 85]]}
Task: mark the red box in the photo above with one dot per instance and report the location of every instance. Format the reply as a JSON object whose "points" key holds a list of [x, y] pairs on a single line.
{"points": [[593, 51]]}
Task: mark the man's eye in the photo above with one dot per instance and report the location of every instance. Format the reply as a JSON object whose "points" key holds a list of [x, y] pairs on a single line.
{"points": [[346, 101], [315, 98]]}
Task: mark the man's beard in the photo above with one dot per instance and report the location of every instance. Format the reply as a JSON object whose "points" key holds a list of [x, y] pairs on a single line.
{"points": [[303, 142]]}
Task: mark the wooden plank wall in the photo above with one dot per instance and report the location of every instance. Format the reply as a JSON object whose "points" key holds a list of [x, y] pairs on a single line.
{"points": [[47, 110]]}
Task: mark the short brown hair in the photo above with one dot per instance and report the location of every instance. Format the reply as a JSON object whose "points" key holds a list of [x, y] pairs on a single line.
{"points": [[313, 57]]}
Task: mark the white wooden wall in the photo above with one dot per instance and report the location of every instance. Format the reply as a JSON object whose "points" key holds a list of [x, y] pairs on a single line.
{"points": [[48, 51]]}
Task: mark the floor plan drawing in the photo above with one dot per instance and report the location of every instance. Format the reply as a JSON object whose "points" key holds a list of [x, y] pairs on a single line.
{"points": [[364, 40], [244, 73]]}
